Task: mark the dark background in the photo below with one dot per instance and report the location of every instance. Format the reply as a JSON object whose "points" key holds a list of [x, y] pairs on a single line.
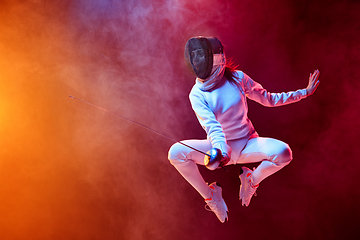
{"points": [[71, 171]]}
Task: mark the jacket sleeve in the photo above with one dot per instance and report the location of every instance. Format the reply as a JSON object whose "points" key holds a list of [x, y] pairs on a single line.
{"points": [[209, 123], [256, 92]]}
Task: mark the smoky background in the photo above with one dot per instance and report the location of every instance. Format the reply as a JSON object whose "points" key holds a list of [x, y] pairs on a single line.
{"points": [[71, 171]]}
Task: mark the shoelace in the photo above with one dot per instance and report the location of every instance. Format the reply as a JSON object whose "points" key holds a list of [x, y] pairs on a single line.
{"points": [[255, 193], [251, 185], [208, 208]]}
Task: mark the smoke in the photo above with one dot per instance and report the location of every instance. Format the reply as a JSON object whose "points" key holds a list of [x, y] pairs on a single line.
{"points": [[80, 172]]}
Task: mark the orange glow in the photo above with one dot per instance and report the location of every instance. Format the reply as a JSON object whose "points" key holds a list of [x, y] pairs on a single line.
{"points": [[33, 119]]}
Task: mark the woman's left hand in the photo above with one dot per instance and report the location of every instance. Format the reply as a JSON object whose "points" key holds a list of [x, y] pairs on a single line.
{"points": [[313, 82]]}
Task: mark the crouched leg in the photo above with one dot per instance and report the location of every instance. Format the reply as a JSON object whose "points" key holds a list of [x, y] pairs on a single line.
{"points": [[273, 155], [184, 159]]}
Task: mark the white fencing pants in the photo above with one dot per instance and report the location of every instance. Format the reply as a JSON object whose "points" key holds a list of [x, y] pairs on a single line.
{"points": [[273, 155]]}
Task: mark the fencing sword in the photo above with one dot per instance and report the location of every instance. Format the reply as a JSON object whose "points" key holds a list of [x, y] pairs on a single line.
{"points": [[212, 158]]}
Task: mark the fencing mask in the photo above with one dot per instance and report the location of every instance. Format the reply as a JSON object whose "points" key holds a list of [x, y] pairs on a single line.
{"points": [[199, 53]]}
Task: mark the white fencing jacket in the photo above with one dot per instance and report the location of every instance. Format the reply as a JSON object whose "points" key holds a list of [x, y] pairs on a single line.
{"points": [[222, 110]]}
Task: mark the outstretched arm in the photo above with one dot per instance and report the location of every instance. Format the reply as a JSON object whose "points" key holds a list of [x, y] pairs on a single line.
{"points": [[256, 92]]}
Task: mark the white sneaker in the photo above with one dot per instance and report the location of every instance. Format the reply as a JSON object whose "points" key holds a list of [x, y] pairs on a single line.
{"points": [[247, 190], [216, 203]]}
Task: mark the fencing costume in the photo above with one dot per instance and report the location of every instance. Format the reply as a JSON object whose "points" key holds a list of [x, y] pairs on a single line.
{"points": [[220, 106]]}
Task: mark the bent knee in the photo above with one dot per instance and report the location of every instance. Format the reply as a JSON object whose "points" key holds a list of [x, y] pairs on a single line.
{"points": [[284, 156], [176, 154]]}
